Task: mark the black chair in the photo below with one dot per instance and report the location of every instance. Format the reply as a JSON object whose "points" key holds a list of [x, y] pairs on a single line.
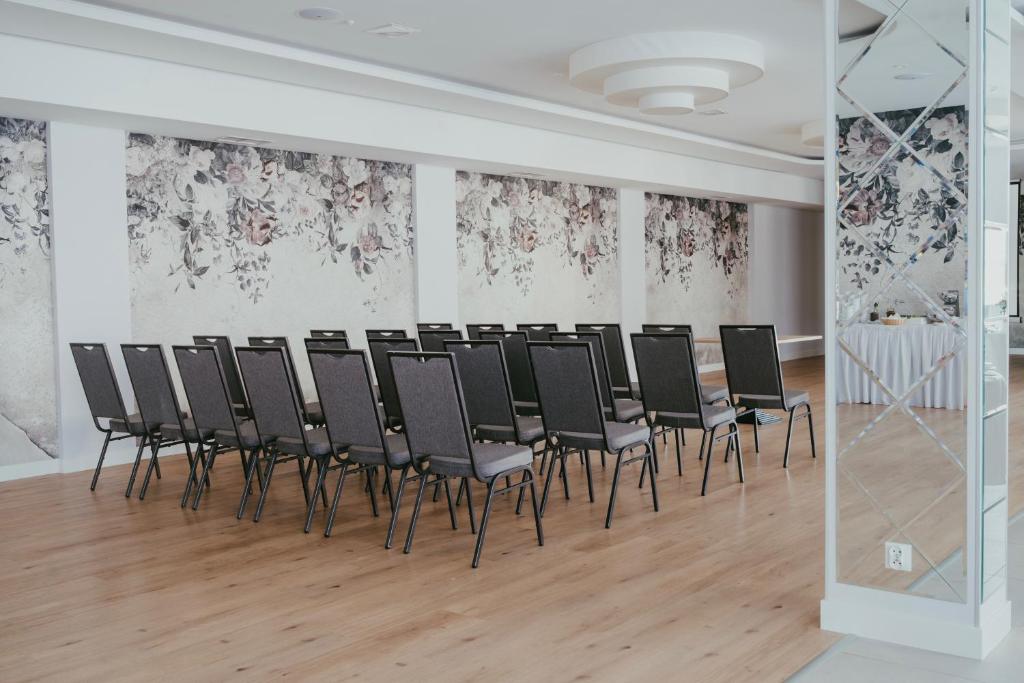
{"points": [[618, 409], [164, 422], [352, 415], [331, 343], [670, 386], [379, 349], [329, 334], [517, 357], [310, 409], [280, 427], [420, 327], [615, 353], [754, 373], [473, 331], [226, 354], [568, 388], [667, 329], [386, 334], [432, 341], [212, 410], [440, 442], [539, 331], [710, 393], [105, 402]]}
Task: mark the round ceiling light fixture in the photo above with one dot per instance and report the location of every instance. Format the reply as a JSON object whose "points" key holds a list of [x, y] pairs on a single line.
{"points": [[667, 73], [319, 14], [812, 133]]}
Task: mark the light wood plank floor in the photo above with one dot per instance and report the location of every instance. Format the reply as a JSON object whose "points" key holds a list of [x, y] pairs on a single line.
{"points": [[722, 588]]}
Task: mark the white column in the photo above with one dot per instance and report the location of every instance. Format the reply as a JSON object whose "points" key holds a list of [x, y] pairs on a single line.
{"points": [[90, 275], [437, 275], [633, 267]]}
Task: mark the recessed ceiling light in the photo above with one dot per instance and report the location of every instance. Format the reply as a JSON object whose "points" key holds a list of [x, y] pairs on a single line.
{"points": [[319, 14], [912, 76], [712, 112], [393, 31]]}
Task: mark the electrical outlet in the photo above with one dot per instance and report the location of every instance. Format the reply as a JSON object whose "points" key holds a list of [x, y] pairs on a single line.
{"points": [[899, 556]]}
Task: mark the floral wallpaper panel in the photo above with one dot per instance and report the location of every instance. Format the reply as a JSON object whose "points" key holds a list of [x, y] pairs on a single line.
{"points": [[28, 406], [536, 251], [697, 264], [244, 241]]}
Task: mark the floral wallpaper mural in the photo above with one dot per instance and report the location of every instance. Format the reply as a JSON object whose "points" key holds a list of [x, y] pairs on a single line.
{"points": [[697, 258], [245, 240], [910, 212], [547, 251], [28, 410]]}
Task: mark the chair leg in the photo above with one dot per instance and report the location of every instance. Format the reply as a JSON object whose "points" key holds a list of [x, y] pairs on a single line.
{"points": [[682, 435], [615, 490], [707, 460], [469, 505], [135, 466], [415, 513], [590, 478], [739, 449], [451, 504], [304, 472], [643, 473], [322, 489], [371, 478], [154, 448], [703, 439], [757, 443], [789, 438], [654, 478], [394, 508], [555, 457], [254, 466], [188, 482], [461, 491], [679, 451], [329, 527], [266, 487], [321, 472], [483, 522], [99, 463], [536, 509], [205, 475], [810, 430]]}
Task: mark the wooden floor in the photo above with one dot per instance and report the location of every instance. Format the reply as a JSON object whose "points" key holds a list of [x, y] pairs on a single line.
{"points": [[724, 588]]}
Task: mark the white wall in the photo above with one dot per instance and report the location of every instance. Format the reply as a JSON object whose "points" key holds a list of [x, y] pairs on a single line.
{"points": [[787, 274], [632, 268], [437, 281]]}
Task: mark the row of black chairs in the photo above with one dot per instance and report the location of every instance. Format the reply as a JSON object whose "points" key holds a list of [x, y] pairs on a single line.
{"points": [[433, 416]]}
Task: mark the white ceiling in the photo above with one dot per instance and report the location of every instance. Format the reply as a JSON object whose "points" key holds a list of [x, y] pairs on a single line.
{"points": [[522, 48]]}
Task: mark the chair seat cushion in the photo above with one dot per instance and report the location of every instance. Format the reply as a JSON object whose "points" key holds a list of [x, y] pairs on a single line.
{"points": [[530, 429], [628, 409], [314, 414], [713, 416], [316, 438], [527, 407], [246, 432], [370, 455], [620, 435], [791, 399], [709, 393], [492, 459], [173, 431], [133, 426]]}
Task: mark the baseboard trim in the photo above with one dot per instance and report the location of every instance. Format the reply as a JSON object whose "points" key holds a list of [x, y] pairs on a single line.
{"points": [[29, 469], [1017, 352]]}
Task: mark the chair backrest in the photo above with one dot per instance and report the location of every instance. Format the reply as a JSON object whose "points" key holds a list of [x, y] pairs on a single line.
{"points": [[668, 329], [517, 357], [271, 392], [615, 353], [202, 376], [432, 341], [226, 355], [751, 355], [539, 331], [473, 331], [667, 371], [485, 383], [335, 343], [151, 381], [343, 384], [99, 382], [596, 341], [282, 343], [386, 334], [433, 326], [329, 334], [567, 387], [379, 349], [433, 408]]}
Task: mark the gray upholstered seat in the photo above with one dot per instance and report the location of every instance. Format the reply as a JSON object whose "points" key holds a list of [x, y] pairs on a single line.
{"points": [[713, 416], [246, 431], [628, 409], [134, 425], [530, 429], [709, 393], [174, 431], [319, 445], [793, 397], [368, 455], [492, 459], [620, 435]]}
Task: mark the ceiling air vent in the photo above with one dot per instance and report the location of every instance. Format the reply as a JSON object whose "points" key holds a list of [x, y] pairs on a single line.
{"points": [[393, 31]]}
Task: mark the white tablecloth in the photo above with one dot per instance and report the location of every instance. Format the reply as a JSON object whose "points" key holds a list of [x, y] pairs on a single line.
{"points": [[900, 355]]}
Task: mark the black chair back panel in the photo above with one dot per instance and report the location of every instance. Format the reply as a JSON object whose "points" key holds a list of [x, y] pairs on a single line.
{"points": [[668, 329], [151, 382], [615, 353], [432, 405], [282, 343], [386, 334], [328, 343], [329, 334], [667, 371], [517, 358], [596, 341], [420, 327], [473, 331], [751, 357], [209, 401], [567, 387], [538, 332], [226, 355], [379, 349], [98, 381], [272, 399], [346, 397], [432, 341], [485, 383]]}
